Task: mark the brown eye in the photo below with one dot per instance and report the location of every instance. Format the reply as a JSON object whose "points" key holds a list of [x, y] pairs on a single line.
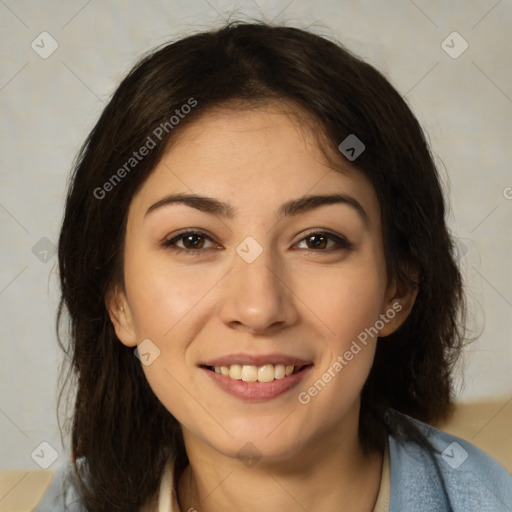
{"points": [[316, 241], [190, 241], [324, 242], [195, 241]]}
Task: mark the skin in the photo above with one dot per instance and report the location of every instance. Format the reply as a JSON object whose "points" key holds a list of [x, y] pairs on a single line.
{"points": [[295, 298]]}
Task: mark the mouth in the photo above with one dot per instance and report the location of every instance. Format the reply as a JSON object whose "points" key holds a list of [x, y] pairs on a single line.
{"points": [[256, 378], [251, 373]]}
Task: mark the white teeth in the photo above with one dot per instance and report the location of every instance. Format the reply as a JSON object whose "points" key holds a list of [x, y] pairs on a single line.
{"points": [[235, 372], [279, 371], [266, 373], [249, 373]]}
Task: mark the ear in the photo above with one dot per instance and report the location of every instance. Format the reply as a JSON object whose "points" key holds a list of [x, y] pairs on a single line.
{"points": [[398, 303], [121, 317]]}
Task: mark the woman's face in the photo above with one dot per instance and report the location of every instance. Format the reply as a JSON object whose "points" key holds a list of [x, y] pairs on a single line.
{"points": [[246, 274]]}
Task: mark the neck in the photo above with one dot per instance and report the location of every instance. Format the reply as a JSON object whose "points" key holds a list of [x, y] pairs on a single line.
{"points": [[342, 476]]}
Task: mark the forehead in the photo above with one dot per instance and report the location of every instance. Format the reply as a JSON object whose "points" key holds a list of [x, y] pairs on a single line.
{"points": [[272, 152], [270, 131]]}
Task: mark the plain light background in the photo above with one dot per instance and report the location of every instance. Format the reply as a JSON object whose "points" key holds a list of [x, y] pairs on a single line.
{"points": [[50, 104]]}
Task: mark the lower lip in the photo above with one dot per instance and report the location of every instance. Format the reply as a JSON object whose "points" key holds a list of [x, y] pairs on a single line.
{"points": [[257, 391]]}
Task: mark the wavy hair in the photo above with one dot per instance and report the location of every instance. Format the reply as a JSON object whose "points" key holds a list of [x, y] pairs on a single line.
{"points": [[121, 435]]}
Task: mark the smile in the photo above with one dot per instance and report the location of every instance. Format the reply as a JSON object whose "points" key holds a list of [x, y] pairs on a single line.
{"points": [[256, 383], [250, 373]]}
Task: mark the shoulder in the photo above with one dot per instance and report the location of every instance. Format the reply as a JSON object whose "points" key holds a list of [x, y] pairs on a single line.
{"points": [[451, 475], [61, 495]]}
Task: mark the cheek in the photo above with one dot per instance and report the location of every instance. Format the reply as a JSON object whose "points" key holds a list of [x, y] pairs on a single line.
{"points": [[346, 301], [169, 306], [350, 312], [172, 388], [161, 296], [348, 304]]}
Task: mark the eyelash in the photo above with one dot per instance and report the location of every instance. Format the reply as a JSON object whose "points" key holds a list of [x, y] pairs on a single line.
{"points": [[341, 241]]}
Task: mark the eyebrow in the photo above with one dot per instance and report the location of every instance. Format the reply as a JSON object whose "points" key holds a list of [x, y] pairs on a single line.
{"points": [[293, 207]]}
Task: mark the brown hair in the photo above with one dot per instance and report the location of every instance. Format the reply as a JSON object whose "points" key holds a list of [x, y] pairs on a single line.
{"points": [[121, 434]]}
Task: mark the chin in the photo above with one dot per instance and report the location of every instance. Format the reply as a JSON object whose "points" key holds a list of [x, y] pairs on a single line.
{"points": [[268, 439], [259, 450]]}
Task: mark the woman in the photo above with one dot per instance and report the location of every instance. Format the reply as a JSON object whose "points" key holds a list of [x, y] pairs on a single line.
{"points": [[264, 305]]}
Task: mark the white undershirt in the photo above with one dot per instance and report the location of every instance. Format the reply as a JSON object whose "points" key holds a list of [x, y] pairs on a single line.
{"points": [[167, 491]]}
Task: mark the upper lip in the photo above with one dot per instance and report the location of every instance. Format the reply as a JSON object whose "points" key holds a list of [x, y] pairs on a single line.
{"points": [[256, 360]]}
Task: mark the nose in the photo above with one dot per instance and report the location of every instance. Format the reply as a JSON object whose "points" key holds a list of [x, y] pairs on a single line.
{"points": [[257, 297]]}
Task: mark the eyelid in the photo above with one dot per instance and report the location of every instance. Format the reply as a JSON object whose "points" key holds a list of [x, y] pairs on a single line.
{"points": [[169, 241]]}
